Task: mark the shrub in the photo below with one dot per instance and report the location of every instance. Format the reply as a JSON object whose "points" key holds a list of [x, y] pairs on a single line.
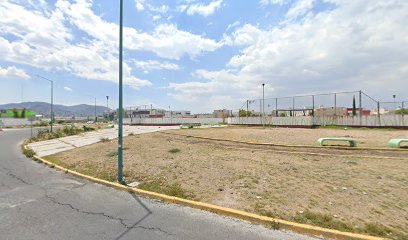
{"points": [[174, 150], [28, 152]]}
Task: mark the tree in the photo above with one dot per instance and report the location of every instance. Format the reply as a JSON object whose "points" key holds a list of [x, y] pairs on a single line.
{"points": [[354, 106], [23, 113], [244, 113], [15, 113]]}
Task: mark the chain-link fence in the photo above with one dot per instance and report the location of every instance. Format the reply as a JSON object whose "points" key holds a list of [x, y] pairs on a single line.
{"points": [[339, 108]]}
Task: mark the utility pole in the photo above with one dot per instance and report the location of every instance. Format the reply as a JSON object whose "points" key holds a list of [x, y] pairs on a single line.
{"points": [[120, 120], [52, 99], [394, 96]]}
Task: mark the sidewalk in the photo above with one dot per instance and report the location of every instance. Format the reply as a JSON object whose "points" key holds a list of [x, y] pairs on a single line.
{"points": [[49, 147]]}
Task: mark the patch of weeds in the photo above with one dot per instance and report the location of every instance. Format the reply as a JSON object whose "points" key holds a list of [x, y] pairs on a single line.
{"points": [[259, 209], [112, 154], [377, 230], [322, 220], [174, 150], [28, 152], [131, 134], [104, 139], [174, 189]]}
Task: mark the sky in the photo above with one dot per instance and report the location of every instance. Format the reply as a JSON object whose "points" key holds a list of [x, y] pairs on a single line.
{"points": [[201, 55]]}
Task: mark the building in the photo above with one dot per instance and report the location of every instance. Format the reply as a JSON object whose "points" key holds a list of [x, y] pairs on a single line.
{"points": [[222, 113], [331, 111]]}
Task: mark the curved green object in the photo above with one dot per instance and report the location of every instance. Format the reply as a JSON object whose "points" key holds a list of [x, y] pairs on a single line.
{"points": [[352, 142], [396, 142]]}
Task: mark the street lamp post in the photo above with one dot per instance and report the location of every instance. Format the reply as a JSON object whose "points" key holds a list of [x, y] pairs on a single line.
{"points": [[263, 104], [52, 99], [120, 120], [394, 96], [107, 108], [96, 119]]}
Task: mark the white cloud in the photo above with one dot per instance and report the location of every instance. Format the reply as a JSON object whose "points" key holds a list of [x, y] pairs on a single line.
{"points": [[139, 5], [13, 73], [199, 8], [68, 89], [300, 8], [353, 46], [44, 39], [156, 65], [272, 2]]}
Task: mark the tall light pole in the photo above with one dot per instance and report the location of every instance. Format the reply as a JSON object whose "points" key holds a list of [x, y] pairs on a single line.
{"points": [[107, 106], [52, 99], [120, 120], [263, 104], [94, 107], [96, 119]]}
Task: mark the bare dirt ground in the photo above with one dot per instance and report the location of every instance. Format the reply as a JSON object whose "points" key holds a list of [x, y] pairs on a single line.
{"points": [[300, 136], [352, 194]]}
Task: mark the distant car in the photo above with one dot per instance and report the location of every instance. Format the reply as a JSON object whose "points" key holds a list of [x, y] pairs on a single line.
{"points": [[89, 122]]}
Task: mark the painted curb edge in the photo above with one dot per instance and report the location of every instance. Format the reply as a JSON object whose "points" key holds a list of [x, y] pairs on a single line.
{"points": [[254, 218]]}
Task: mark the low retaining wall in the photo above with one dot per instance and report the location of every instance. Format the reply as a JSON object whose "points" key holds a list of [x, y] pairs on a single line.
{"points": [[171, 121], [394, 121], [12, 122]]}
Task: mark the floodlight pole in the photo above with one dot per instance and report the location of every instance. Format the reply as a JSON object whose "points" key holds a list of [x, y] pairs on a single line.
{"points": [[120, 111], [52, 99]]}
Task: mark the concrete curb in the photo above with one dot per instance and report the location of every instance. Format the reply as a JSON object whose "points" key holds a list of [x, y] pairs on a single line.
{"points": [[254, 218], [285, 145]]}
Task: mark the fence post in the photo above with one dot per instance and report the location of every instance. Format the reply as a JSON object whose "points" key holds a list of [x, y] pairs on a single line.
{"points": [[313, 107], [360, 108], [247, 111], [293, 110], [402, 114], [378, 113]]}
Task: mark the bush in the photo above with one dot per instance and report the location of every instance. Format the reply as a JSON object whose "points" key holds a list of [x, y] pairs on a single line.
{"points": [[28, 152]]}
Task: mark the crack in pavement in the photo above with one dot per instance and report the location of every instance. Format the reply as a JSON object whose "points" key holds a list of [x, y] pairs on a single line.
{"points": [[152, 229], [10, 173], [55, 201], [120, 220]]}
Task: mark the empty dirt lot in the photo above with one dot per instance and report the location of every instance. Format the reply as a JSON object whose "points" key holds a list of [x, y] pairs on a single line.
{"points": [[354, 193], [301, 136]]}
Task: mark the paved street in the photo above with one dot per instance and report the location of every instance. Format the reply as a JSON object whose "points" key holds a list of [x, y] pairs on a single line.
{"points": [[53, 146], [37, 202]]}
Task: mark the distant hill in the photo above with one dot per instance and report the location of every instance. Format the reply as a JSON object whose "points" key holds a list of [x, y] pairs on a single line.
{"points": [[59, 110]]}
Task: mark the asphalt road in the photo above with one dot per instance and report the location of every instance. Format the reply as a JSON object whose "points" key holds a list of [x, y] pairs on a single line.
{"points": [[37, 202]]}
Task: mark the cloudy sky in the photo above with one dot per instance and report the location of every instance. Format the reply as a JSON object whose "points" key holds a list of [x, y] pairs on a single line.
{"points": [[202, 55]]}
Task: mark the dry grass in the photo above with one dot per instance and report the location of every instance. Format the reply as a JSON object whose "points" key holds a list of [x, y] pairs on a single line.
{"points": [[353, 194]]}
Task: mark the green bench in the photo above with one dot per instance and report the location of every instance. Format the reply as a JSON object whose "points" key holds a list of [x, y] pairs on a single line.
{"points": [[396, 142], [352, 142]]}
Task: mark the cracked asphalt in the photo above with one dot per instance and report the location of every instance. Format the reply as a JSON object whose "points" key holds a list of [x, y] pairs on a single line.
{"points": [[38, 202]]}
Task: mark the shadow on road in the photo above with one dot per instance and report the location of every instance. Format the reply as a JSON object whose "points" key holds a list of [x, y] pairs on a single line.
{"points": [[140, 220]]}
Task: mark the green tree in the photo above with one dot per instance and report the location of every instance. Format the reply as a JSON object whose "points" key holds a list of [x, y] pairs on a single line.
{"points": [[15, 113], [354, 106], [23, 113], [244, 113]]}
